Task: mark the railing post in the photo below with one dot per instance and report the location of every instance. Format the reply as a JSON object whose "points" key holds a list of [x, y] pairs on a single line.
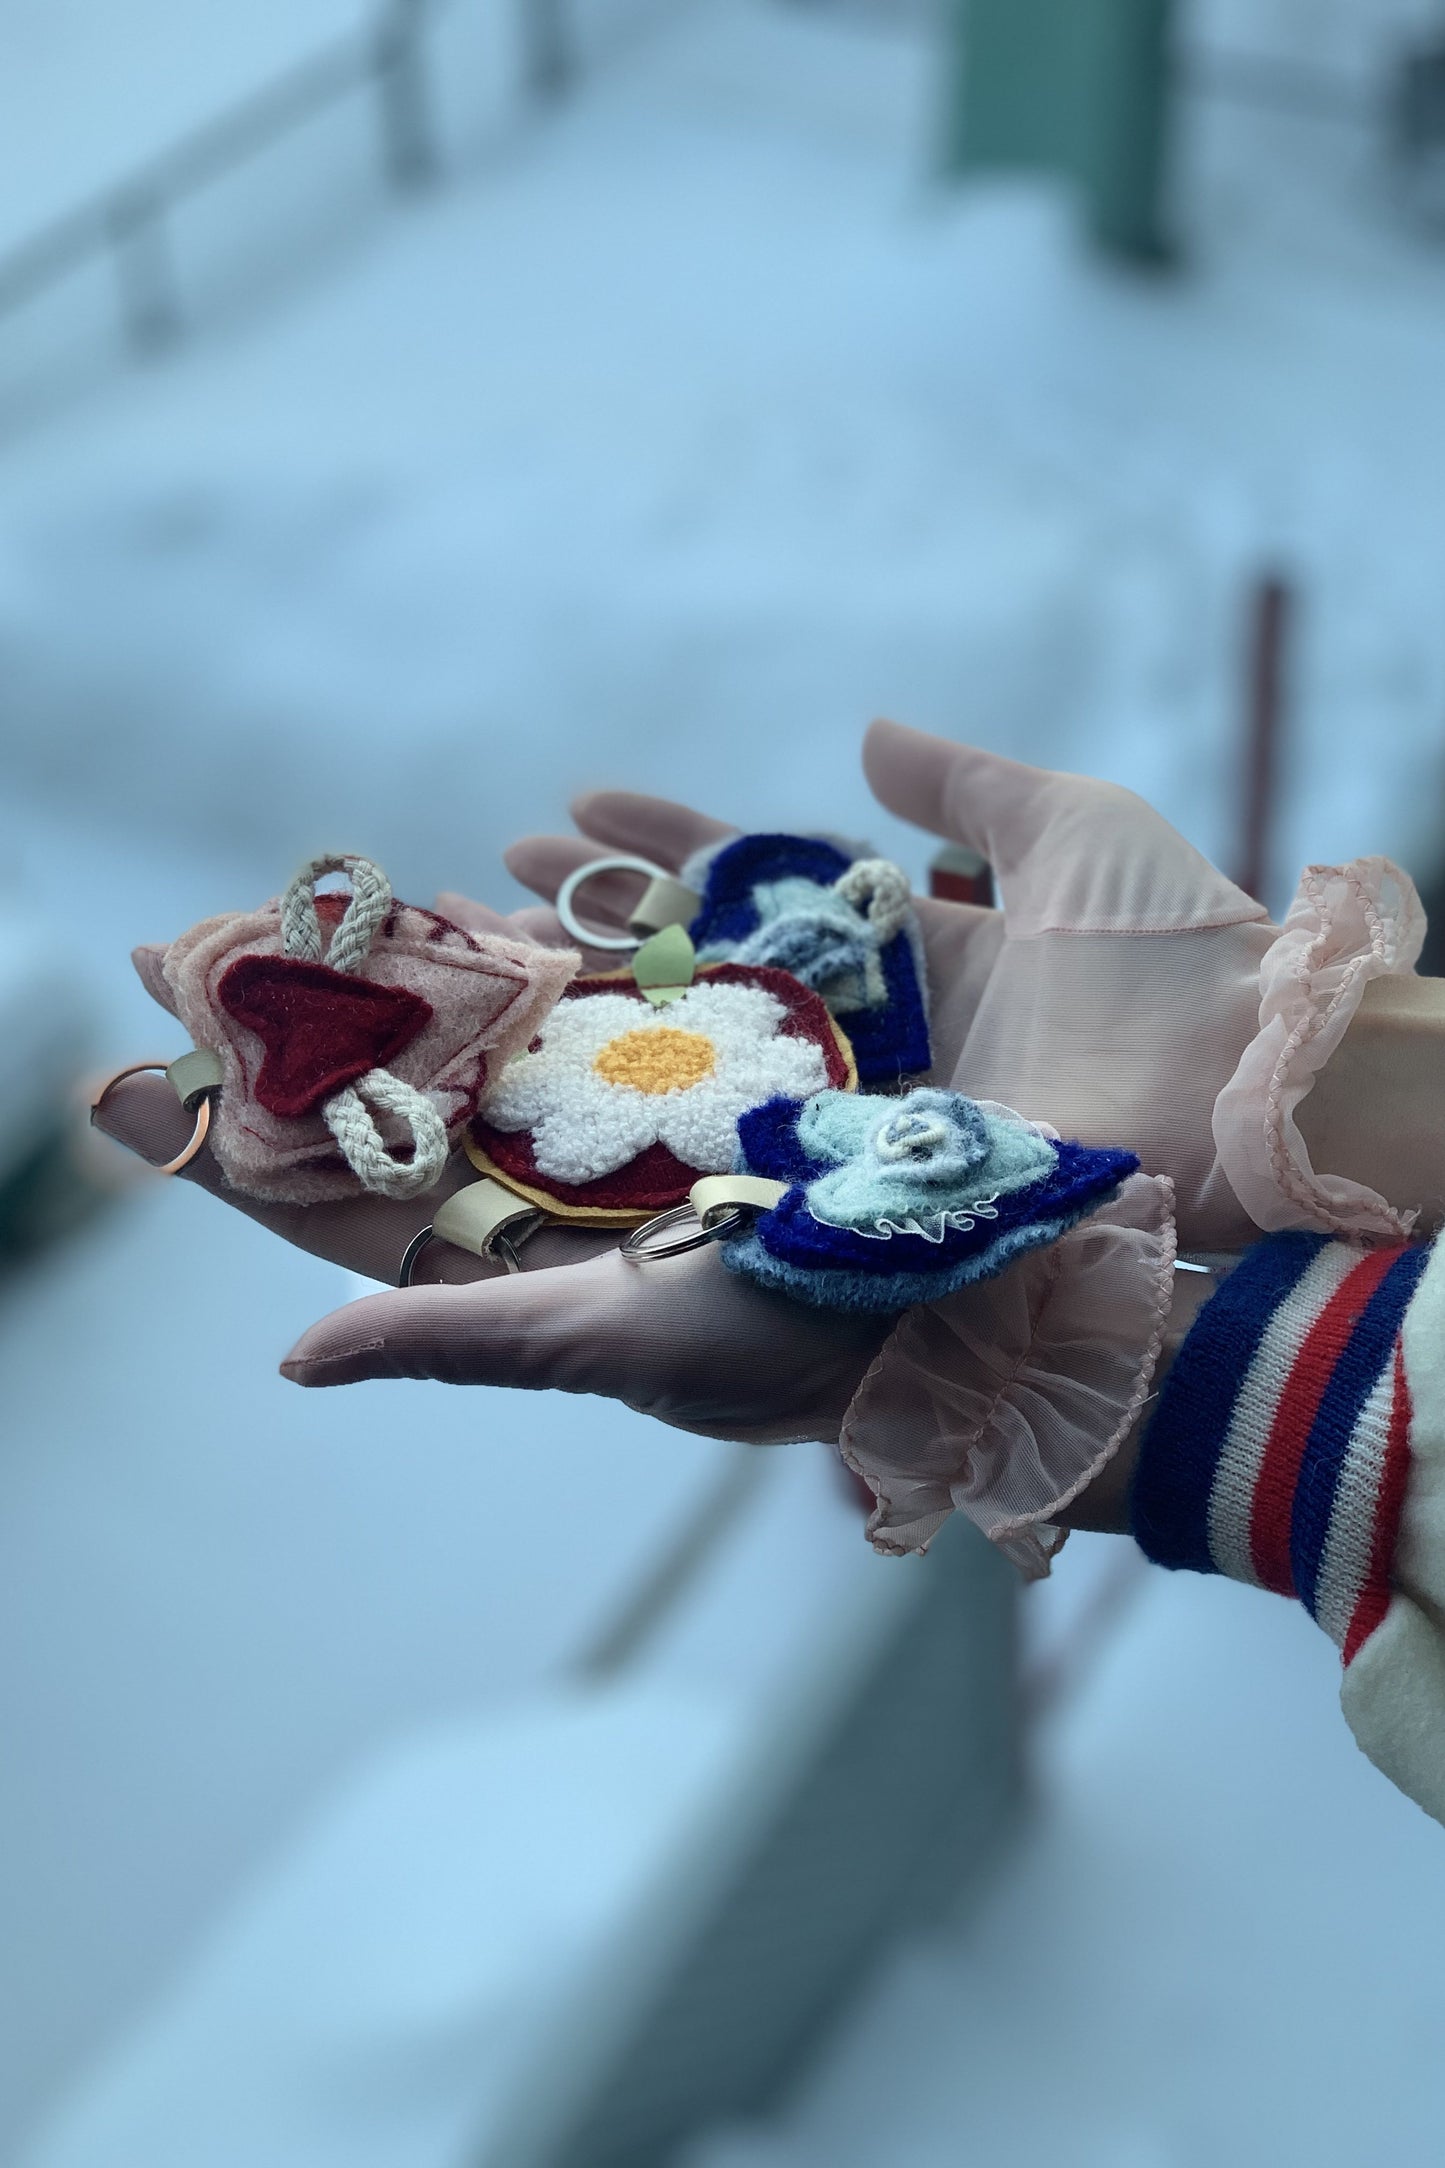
{"points": [[408, 143], [1265, 692], [146, 285], [546, 48]]}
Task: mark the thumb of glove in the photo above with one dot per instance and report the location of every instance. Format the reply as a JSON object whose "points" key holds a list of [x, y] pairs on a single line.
{"points": [[683, 1340]]}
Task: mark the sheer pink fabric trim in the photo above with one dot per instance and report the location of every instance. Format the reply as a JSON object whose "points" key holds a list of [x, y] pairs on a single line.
{"points": [[1005, 1400], [1347, 925]]}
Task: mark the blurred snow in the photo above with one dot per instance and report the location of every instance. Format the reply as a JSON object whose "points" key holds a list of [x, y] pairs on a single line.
{"points": [[89, 91], [698, 415], [367, 2004], [1218, 1942], [666, 442]]}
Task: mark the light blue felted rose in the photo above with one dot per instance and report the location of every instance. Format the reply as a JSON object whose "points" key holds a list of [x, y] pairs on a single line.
{"points": [[817, 935], [836, 918], [917, 1165]]}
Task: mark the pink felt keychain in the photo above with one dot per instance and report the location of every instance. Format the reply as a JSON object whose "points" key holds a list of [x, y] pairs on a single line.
{"points": [[355, 1036]]}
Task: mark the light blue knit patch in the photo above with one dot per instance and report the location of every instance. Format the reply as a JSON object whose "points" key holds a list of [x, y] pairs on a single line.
{"points": [[917, 1165], [817, 935]]}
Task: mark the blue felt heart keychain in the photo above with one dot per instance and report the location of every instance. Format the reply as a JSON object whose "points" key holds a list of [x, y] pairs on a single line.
{"points": [[839, 920], [851, 1203]]}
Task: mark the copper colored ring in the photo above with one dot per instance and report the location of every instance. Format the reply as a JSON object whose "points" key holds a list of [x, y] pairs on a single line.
{"points": [[198, 1134]]}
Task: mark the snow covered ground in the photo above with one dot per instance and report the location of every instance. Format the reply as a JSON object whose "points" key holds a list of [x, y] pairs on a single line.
{"points": [[669, 440], [699, 414], [1218, 1942]]}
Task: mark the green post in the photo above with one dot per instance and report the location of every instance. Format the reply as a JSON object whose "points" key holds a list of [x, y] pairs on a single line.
{"points": [[1074, 87]]}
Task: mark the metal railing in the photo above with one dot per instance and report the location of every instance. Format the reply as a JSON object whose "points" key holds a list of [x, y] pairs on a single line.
{"points": [[129, 220]]}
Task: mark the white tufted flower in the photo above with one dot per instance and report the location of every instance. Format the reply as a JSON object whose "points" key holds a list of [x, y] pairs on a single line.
{"points": [[611, 1076]]}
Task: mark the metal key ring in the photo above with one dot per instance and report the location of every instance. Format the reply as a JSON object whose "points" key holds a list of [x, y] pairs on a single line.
{"points": [[589, 937], [202, 1105], [501, 1246], [639, 1249]]}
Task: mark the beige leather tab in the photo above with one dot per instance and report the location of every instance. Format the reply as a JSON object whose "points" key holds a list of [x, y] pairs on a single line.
{"points": [[193, 1075], [664, 902], [723, 1192], [664, 965], [473, 1217]]}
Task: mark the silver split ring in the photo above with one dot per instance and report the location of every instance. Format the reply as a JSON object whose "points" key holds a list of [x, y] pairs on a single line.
{"points": [[677, 903], [640, 1249]]}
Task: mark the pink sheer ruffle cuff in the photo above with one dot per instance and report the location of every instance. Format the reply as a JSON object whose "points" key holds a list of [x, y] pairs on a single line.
{"points": [[1347, 925], [1006, 1399]]}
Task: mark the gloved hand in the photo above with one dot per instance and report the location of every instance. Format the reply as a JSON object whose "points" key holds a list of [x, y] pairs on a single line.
{"points": [[685, 1340], [1112, 996]]}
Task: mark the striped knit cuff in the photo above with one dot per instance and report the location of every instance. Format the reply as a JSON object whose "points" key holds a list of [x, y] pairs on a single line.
{"points": [[1279, 1449]]}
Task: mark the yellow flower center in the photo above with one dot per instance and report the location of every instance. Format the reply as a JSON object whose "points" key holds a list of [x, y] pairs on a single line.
{"points": [[662, 1060]]}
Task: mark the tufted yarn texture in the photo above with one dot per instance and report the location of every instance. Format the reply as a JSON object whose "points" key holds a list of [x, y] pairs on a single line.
{"points": [[618, 1106], [922, 1240], [836, 917]]}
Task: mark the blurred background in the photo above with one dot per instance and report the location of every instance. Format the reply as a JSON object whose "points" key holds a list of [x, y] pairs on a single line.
{"points": [[408, 417]]}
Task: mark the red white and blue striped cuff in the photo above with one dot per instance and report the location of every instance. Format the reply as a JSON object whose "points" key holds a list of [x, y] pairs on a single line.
{"points": [[1279, 1450]]}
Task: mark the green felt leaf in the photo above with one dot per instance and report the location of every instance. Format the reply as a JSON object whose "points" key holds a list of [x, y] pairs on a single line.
{"points": [[664, 965]]}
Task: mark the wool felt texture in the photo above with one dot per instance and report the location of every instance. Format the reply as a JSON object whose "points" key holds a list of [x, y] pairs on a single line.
{"points": [[901, 1167], [1299, 1445], [775, 900], [977, 1228], [483, 996], [618, 1106], [320, 1028]]}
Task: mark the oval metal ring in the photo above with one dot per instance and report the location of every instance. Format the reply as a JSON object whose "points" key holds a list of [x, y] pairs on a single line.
{"points": [[501, 1246], [578, 878], [198, 1134], [639, 1249]]}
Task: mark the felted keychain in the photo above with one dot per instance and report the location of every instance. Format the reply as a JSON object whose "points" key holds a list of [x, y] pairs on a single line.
{"points": [[838, 919], [343, 1042], [876, 1204], [633, 1087]]}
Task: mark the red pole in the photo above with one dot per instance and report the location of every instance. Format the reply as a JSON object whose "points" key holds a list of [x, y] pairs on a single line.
{"points": [[1270, 606], [958, 875]]}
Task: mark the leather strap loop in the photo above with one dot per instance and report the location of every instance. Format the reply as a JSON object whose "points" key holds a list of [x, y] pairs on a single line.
{"points": [[472, 1218], [717, 1193], [193, 1075]]}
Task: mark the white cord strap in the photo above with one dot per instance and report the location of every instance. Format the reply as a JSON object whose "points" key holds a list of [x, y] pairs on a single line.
{"points": [[879, 889], [376, 1168], [346, 1114], [370, 902]]}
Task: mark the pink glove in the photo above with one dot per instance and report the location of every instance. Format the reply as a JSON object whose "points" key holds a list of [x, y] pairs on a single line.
{"points": [[1115, 996], [687, 1342], [1127, 992]]}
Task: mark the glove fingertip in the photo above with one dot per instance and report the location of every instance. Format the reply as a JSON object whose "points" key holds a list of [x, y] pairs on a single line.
{"points": [[149, 961], [351, 1366]]}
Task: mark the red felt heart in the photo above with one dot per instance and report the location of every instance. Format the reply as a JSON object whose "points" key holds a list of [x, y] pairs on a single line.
{"points": [[321, 1029]]}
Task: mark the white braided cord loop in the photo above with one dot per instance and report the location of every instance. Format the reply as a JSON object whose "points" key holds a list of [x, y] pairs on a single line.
{"points": [[370, 902], [879, 889], [347, 1117]]}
